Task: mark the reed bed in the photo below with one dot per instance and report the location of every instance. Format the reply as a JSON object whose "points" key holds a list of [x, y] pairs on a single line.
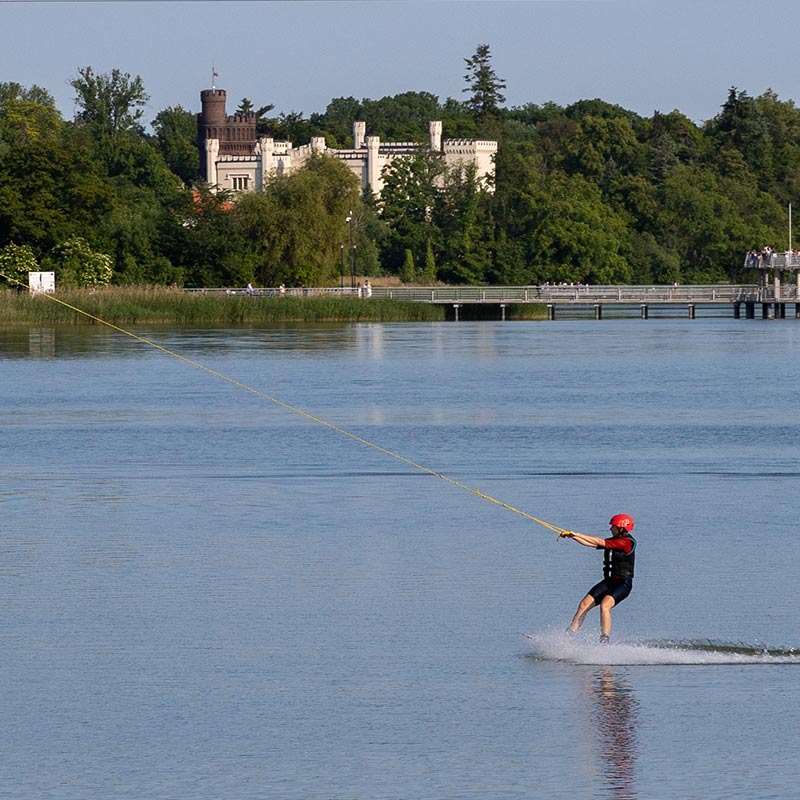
{"points": [[523, 311], [143, 305]]}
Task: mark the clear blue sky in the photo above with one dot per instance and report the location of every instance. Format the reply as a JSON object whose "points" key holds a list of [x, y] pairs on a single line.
{"points": [[645, 55]]}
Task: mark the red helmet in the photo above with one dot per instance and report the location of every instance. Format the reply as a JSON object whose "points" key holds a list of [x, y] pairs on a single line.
{"points": [[623, 521]]}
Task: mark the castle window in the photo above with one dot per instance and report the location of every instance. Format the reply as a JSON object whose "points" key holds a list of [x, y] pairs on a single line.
{"points": [[239, 182]]}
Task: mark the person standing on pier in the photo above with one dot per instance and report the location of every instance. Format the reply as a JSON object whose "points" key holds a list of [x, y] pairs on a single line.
{"points": [[619, 554]]}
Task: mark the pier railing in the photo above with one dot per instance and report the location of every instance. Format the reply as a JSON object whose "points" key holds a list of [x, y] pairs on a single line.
{"points": [[575, 294], [561, 295]]}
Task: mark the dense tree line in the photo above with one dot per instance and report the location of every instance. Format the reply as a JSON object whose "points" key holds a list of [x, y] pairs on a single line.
{"points": [[589, 192]]}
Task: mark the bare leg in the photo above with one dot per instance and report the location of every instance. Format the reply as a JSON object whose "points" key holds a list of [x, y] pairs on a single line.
{"points": [[584, 607], [606, 604]]}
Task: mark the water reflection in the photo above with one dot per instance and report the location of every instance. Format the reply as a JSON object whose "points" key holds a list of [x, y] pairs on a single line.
{"points": [[42, 342], [615, 712]]}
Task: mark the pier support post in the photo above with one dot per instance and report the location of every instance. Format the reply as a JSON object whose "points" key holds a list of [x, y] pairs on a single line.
{"points": [[766, 311], [644, 310], [551, 311], [797, 308], [749, 310], [780, 310], [691, 311], [737, 310], [456, 306], [502, 312], [598, 311]]}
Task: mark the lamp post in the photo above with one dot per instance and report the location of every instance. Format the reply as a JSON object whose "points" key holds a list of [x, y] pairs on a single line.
{"points": [[350, 221], [341, 266]]}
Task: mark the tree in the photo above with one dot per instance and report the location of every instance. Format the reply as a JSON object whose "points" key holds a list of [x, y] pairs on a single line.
{"points": [[408, 272], [403, 117], [111, 111], [296, 224], [208, 246], [176, 139], [138, 232], [696, 222], [602, 147], [16, 91], [741, 126], [338, 119], [110, 103], [673, 139], [27, 115], [16, 261], [576, 236], [408, 196], [76, 264], [462, 222], [48, 191], [483, 84], [428, 275], [292, 127], [782, 120]]}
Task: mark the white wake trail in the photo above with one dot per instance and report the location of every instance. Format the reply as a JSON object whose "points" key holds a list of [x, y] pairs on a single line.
{"points": [[584, 650]]}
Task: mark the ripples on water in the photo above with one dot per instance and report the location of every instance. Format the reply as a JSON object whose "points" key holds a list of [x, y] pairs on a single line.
{"points": [[205, 595]]}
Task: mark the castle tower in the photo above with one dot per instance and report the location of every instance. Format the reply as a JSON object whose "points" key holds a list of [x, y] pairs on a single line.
{"points": [[235, 135], [213, 117], [435, 130], [359, 132], [374, 165]]}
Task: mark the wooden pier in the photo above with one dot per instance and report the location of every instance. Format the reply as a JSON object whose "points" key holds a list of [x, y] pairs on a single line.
{"points": [[765, 300], [748, 300]]}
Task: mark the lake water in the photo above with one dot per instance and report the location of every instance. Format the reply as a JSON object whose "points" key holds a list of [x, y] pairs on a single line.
{"points": [[206, 595]]}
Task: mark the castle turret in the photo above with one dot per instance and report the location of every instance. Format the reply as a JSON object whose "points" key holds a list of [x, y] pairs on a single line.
{"points": [[435, 129], [213, 117], [374, 165], [234, 135], [210, 126], [359, 132]]}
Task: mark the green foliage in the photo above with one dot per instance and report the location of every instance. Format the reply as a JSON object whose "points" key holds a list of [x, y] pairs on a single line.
{"points": [[589, 192], [110, 103], [429, 273], [403, 117], [409, 194], [483, 84], [204, 242], [461, 215], [16, 261], [111, 109], [176, 141], [297, 223], [48, 192], [408, 272], [580, 238], [740, 127], [26, 115], [292, 127], [76, 264]]}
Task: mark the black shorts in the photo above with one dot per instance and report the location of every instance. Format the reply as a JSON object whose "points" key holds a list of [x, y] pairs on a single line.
{"points": [[618, 588]]}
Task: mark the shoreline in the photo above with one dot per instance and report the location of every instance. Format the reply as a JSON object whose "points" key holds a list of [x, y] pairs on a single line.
{"points": [[159, 305]]}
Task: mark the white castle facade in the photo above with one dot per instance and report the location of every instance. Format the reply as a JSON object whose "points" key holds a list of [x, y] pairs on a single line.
{"points": [[233, 157]]}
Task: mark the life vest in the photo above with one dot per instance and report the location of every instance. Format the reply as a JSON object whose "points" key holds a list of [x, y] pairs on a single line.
{"points": [[617, 564]]}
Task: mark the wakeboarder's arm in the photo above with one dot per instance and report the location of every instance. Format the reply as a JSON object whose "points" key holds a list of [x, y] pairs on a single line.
{"points": [[585, 539]]}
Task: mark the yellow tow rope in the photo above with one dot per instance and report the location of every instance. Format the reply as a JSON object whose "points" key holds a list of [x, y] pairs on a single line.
{"points": [[299, 411]]}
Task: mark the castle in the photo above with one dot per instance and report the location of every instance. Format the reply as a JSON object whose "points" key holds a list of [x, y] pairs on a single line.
{"points": [[233, 157]]}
